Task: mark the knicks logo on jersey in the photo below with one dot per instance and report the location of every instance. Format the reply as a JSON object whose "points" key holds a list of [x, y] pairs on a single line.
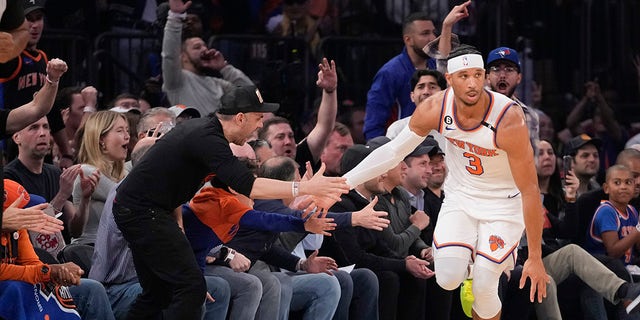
{"points": [[495, 243]]}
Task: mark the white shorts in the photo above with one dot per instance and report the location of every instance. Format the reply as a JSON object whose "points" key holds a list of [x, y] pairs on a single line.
{"points": [[490, 230]]}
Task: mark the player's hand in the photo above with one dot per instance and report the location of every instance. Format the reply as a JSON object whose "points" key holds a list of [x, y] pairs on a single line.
{"points": [[370, 218], [534, 270]]}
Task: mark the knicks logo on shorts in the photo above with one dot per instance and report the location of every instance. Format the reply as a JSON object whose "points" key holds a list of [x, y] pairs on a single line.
{"points": [[495, 243]]}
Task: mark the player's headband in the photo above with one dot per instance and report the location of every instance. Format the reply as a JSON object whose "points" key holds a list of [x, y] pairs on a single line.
{"points": [[465, 61]]}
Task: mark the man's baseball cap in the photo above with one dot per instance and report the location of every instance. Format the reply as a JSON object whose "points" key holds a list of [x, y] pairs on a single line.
{"points": [[431, 141], [428, 146], [13, 191], [32, 5], [243, 99], [580, 141], [180, 109], [377, 142], [503, 54], [353, 156]]}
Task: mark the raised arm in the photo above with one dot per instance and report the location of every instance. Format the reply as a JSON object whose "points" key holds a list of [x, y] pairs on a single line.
{"points": [[513, 138], [456, 14], [42, 102], [171, 45], [328, 82]]}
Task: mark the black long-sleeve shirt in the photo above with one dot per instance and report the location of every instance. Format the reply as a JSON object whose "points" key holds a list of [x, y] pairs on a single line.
{"points": [[363, 247]]}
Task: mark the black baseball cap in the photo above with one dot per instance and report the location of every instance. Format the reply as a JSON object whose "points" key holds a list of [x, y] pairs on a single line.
{"points": [[32, 5], [377, 142], [431, 141], [243, 99], [353, 156], [580, 141]]}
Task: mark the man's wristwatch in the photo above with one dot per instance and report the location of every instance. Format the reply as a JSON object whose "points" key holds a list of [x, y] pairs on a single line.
{"points": [[227, 253], [46, 273]]}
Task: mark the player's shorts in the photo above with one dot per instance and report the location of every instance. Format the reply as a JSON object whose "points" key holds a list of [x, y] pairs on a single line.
{"points": [[488, 230]]}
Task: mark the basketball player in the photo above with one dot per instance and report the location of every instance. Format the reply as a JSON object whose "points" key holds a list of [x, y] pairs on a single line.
{"points": [[492, 181]]}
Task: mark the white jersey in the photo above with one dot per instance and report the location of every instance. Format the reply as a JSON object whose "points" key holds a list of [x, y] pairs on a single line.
{"points": [[476, 165]]}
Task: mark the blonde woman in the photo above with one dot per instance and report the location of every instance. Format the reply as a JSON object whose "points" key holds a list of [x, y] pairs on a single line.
{"points": [[103, 143]]}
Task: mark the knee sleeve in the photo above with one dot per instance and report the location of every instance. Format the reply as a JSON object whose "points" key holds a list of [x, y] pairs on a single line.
{"points": [[485, 292], [450, 272]]}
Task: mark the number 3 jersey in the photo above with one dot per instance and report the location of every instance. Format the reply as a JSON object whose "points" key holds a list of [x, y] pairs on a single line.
{"points": [[476, 165]]}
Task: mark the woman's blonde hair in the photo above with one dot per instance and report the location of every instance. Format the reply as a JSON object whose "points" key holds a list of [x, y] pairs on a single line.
{"points": [[90, 152]]}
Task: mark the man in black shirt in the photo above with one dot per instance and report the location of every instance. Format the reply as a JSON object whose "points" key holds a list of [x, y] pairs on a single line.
{"points": [[15, 120], [169, 175]]}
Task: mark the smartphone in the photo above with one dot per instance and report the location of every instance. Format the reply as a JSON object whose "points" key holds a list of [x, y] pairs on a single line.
{"points": [[567, 162]]}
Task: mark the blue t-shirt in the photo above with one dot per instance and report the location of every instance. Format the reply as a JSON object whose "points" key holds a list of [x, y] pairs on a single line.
{"points": [[607, 218]]}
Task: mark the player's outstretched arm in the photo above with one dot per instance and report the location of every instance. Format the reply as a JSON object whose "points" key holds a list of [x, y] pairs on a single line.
{"points": [[424, 119]]}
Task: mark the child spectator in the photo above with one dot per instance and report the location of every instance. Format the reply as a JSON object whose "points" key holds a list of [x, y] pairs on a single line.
{"points": [[613, 229]]}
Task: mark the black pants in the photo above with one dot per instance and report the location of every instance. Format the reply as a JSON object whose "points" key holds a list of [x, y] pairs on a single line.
{"points": [[402, 296], [172, 283]]}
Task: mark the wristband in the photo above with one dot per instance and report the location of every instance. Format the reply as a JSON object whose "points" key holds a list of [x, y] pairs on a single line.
{"points": [[330, 91], [89, 109], [295, 188], [50, 81]]}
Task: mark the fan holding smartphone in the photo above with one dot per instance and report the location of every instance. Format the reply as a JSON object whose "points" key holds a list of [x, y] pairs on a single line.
{"points": [[569, 181]]}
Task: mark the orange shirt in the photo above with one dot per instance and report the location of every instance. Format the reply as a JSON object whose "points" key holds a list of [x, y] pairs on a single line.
{"points": [[19, 262]]}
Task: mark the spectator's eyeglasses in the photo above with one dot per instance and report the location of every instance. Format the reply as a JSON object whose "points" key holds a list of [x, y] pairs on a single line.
{"points": [[505, 69]]}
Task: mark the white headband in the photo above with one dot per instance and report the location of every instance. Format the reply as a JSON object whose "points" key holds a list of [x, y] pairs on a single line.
{"points": [[466, 61]]}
